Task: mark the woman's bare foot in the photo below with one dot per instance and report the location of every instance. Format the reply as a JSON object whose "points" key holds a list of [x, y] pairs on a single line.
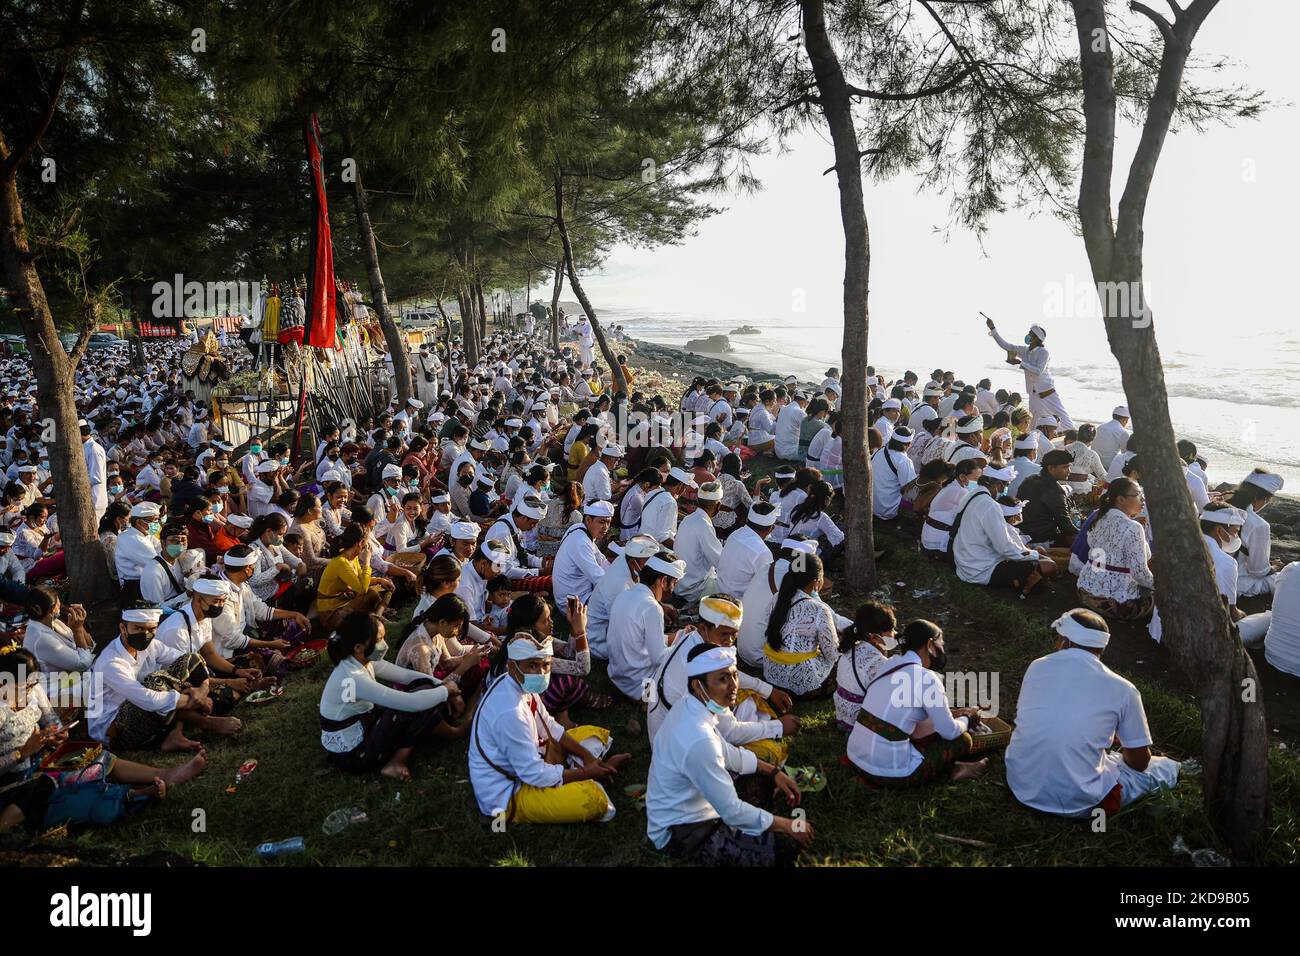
{"points": [[395, 770], [156, 790], [176, 740], [971, 770], [188, 770], [222, 726]]}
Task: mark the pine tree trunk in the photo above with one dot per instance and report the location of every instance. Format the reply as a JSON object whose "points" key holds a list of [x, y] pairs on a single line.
{"points": [[482, 307], [616, 371], [379, 295], [859, 543], [468, 327], [556, 286], [55, 371]]}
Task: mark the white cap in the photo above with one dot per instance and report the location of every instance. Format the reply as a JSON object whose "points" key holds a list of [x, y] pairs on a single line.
{"points": [[721, 611], [480, 445], [442, 498], [145, 509], [268, 466], [1227, 516], [1269, 482], [415, 403], [640, 546], [464, 531], [234, 561], [598, 509], [1121, 411], [710, 491], [142, 615], [1039, 331], [835, 387], [240, 521], [684, 477], [807, 546], [531, 508], [1000, 474], [976, 424], [212, 587], [764, 520], [514, 423], [903, 435], [391, 471], [1027, 442], [612, 451], [892, 403], [674, 569], [714, 659]]}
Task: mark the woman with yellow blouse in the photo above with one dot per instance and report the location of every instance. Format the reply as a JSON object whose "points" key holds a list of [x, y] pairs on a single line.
{"points": [[346, 584]]}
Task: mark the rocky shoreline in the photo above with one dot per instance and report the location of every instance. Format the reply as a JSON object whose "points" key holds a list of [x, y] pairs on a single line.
{"points": [[682, 363]]}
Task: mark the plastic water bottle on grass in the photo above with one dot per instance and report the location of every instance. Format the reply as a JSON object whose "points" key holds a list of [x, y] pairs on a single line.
{"points": [[340, 820]]}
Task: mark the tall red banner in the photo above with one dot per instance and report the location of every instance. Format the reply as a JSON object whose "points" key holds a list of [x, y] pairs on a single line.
{"points": [[321, 297]]}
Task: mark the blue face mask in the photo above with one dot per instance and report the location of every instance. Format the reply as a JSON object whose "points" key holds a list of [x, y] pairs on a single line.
{"points": [[216, 507], [114, 489], [254, 448], [536, 683], [1029, 339], [209, 518], [715, 707]]}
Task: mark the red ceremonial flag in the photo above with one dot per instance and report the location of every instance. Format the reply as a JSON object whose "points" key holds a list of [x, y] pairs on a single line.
{"points": [[321, 296]]}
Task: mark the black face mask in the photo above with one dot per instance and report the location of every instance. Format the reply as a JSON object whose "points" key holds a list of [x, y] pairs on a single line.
{"points": [[938, 660], [213, 610], [140, 640], [465, 481]]}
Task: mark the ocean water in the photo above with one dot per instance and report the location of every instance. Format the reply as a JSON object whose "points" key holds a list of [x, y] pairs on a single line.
{"points": [[1237, 397]]}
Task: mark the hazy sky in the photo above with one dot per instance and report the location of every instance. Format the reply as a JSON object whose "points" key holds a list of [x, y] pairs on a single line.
{"points": [[1220, 240]]}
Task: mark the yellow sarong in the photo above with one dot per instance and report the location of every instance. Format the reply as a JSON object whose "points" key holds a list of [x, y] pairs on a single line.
{"points": [[774, 752], [583, 801]]}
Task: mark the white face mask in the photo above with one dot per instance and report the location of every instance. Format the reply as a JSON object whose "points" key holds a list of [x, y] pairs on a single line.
{"points": [[1232, 546]]}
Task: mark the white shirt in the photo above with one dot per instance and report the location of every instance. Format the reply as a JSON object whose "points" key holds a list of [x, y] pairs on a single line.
{"points": [[616, 579], [1071, 706], [669, 685], [518, 562], [510, 728], [788, 423], [659, 515], [887, 483], [697, 544], [180, 634], [117, 680], [1112, 438], [984, 540], [259, 498], [1023, 467], [1282, 643], [158, 586], [133, 551], [744, 556], [1033, 362], [55, 647], [578, 566], [689, 782], [353, 689], [756, 602], [473, 591], [817, 447], [596, 483], [915, 701], [636, 639]]}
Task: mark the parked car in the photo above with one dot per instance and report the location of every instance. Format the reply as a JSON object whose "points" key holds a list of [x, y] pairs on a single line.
{"points": [[104, 340]]}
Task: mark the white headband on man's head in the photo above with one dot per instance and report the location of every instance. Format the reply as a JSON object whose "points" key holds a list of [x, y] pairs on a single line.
{"points": [[524, 647], [1080, 634]]}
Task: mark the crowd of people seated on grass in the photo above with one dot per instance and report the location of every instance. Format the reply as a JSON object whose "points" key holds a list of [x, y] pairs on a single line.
{"points": [[564, 548]]}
